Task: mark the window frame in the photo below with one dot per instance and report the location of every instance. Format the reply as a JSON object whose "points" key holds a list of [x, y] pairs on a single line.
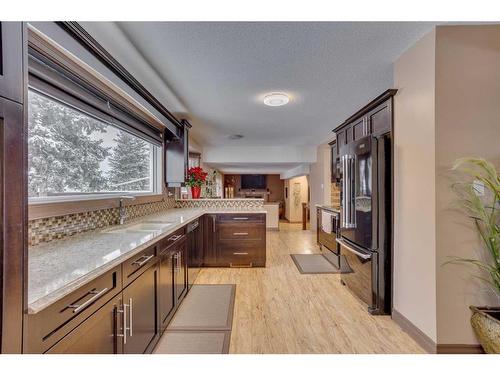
{"points": [[60, 97]]}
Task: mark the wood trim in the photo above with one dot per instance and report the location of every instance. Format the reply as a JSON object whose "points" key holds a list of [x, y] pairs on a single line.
{"points": [[420, 337], [375, 102], [86, 40], [459, 349], [72, 64], [43, 210]]}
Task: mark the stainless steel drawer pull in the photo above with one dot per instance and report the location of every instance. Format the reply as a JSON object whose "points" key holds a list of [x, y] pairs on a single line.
{"points": [[240, 234], [175, 238], [240, 253], [130, 317], [240, 218], [97, 295], [145, 259], [123, 311]]}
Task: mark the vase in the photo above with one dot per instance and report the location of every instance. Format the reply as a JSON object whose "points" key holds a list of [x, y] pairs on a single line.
{"points": [[195, 192], [486, 324]]}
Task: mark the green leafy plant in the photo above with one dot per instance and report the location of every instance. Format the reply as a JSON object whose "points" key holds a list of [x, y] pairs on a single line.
{"points": [[479, 197]]}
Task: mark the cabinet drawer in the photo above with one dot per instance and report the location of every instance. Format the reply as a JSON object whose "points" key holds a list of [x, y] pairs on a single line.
{"points": [[48, 326], [241, 253], [237, 231], [242, 218], [96, 335], [139, 263], [171, 239]]}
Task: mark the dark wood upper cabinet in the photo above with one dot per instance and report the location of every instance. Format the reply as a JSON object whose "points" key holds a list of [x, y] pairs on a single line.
{"points": [[11, 61], [359, 128], [341, 140], [99, 334], [177, 156], [375, 118], [380, 119], [333, 162], [140, 308]]}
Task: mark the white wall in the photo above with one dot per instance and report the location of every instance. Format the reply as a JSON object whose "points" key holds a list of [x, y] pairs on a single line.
{"points": [[414, 186], [320, 181], [467, 124]]}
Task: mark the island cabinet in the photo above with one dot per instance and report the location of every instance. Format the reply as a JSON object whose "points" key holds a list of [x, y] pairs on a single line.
{"points": [[240, 240]]}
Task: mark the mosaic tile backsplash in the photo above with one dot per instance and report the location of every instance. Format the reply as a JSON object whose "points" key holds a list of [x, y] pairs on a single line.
{"points": [[220, 203], [57, 227], [335, 195]]}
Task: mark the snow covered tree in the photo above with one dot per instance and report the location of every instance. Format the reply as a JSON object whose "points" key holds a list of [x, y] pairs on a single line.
{"points": [[63, 154], [129, 163]]}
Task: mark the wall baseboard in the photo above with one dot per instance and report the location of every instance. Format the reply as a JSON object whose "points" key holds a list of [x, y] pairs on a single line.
{"points": [[459, 349], [428, 344], [415, 333]]}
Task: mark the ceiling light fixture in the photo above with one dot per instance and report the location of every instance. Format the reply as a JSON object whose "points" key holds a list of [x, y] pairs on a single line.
{"points": [[276, 99]]}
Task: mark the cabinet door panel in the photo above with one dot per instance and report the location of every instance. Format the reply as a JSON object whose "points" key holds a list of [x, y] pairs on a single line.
{"points": [[180, 261], [359, 130], [139, 300], [96, 335], [379, 120], [349, 134], [11, 61], [340, 139], [209, 236], [166, 287]]}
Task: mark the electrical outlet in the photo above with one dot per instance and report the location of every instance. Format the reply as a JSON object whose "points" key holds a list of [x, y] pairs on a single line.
{"points": [[478, 187]]}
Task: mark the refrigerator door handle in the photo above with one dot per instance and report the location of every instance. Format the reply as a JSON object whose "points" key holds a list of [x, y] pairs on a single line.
{"points": [[353, 250]]}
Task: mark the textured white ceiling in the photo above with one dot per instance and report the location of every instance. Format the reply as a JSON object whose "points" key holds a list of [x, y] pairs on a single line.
{"points": [[218, 71]]}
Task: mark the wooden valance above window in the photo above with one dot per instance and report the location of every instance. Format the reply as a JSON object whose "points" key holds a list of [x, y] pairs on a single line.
{"points": [[50, 63]]}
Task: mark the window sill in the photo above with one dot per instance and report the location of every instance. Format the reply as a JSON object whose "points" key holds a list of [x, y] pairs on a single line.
{"points": [[49, 208]]}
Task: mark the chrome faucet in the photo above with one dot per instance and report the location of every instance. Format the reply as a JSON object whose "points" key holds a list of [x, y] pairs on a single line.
{"points": [[123, 211]]}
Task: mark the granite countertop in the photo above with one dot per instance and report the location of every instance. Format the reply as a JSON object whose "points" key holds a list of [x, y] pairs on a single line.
{"points": [[57, 268], [328, 208]]}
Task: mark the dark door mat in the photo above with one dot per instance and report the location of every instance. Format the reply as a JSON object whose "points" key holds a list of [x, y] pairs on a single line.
{"points": [[205, 308], [318, 264], [193, 342]]}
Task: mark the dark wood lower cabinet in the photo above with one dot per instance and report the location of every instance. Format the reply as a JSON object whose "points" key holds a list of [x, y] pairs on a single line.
{"points": [[96, 335], [140, 311], [209, 240], [180, 270], [166, 287], [126, 309]]}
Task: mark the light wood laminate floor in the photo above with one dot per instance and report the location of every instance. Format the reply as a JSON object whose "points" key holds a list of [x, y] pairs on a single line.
{"points": [[278, 310]]}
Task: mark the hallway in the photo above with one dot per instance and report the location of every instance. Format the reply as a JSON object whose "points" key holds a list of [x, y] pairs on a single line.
{"points": [[278, 310]]}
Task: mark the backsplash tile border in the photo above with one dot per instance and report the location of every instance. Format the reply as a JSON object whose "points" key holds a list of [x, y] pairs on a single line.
{"points": [[220, 203]]}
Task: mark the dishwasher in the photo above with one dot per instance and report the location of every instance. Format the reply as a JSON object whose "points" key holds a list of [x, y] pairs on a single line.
{"points": [[195, 250]]}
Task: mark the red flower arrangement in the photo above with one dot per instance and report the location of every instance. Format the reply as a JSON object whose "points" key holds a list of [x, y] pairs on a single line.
{"points": [[196, 177]]}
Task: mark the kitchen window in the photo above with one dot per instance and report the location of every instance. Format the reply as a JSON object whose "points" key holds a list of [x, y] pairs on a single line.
{"points": [[74, 154]]}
